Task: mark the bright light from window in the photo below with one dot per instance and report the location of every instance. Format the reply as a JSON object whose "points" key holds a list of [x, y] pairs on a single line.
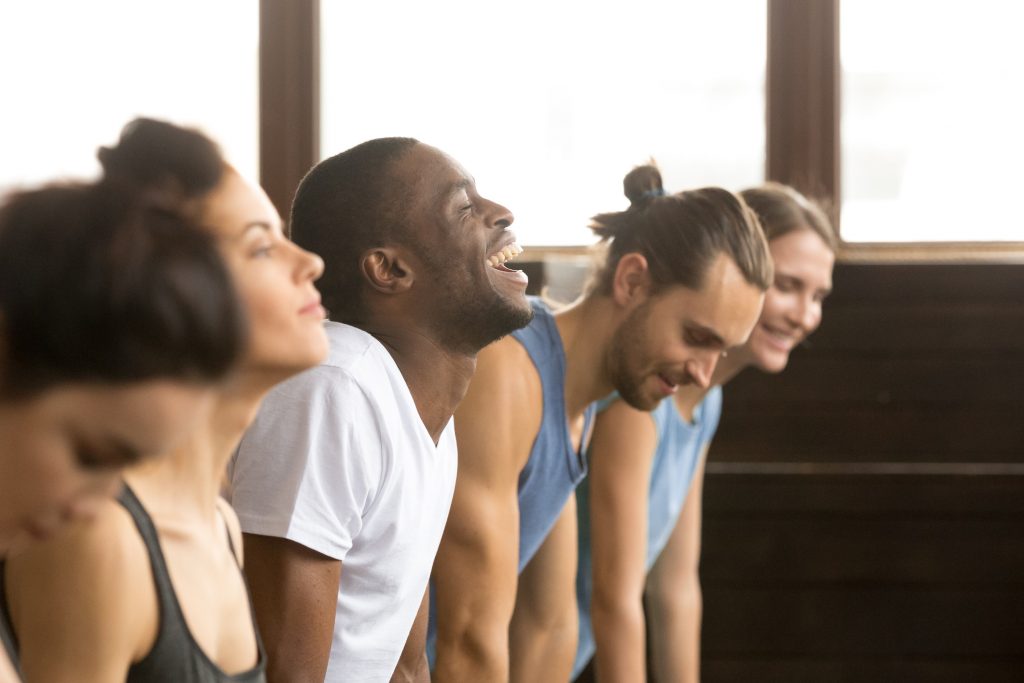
{"points": [[549, 104], [74, 72], [933, 106]]}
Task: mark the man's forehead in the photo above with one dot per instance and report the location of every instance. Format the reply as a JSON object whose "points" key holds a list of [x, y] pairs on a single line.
{"points": [[713, 309], [427, 180], [426, 163]]}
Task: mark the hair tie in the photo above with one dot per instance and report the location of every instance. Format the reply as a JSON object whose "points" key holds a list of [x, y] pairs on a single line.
{"points": [[656, 192]]}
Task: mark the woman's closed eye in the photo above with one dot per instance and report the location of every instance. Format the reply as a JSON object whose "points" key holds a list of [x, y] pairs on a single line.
{"points": [[264, 250]]}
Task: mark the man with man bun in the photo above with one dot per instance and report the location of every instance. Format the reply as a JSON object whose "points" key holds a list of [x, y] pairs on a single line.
{"points": [[684, 280]]}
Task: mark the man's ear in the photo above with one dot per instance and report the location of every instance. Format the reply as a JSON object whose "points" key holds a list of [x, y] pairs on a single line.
{"points": [[387, 270], [632, 282]]}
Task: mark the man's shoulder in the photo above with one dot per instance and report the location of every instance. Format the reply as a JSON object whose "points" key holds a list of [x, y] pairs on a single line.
{"points": [[503, 403], [507, 364]]}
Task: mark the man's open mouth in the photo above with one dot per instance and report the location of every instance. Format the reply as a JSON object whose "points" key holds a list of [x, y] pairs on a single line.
{"points": [[498, 259]]}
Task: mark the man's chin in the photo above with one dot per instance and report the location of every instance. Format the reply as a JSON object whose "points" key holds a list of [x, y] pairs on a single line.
{"points": [[516, 315], [517, 312], [774, 363], [639, 401], [489, 325]]}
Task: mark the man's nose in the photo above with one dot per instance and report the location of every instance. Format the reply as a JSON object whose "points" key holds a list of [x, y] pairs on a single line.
{"points": [[701, 369]]}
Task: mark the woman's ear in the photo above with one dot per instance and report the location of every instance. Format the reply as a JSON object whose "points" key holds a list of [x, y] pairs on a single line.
{"points": [[387, 270], [632, 282]]}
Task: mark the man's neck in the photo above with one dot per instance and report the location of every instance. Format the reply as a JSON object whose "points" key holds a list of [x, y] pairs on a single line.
{"points": [[437, 377], [585, 328]]}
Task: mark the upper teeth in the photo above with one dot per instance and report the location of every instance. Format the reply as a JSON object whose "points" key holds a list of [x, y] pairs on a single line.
{"points": [[506, 254]]}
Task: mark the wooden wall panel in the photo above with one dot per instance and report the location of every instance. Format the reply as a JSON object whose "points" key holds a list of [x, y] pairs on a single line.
{"points": [[864, 510], [908, 490], [883, 380], [854, 621], [864, 670], [886, 432], [876, 550]]}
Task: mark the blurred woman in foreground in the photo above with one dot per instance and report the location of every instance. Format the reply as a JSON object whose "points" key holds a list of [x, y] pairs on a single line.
{"points": [[152, 589]]}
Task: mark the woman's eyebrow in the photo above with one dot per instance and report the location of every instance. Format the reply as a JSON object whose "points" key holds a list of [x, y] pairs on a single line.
{"points": [[113, 452], [257, 225], [252, 225]]}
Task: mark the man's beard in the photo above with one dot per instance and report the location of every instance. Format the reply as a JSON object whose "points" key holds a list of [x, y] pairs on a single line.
{"points": [[472, 314], [626, 346]]}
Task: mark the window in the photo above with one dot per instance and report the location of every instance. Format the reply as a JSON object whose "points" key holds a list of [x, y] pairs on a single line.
{"points": [[549, 104], [75, 72], [932, 138]]}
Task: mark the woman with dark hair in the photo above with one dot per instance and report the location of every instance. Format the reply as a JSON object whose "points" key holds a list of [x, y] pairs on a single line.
{"points": [[640, 508], [117, 318], [151, 590]]}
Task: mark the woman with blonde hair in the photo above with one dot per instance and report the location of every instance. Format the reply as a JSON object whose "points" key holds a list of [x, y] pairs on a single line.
{"points": [[640, 508]]}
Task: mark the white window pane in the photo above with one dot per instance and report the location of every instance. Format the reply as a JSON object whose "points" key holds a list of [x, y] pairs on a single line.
{"points": [[75, 71], [933, 105], [549, 104]]}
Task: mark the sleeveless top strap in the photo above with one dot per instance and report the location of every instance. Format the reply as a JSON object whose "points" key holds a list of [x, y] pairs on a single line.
{"points": [[7, 637], [150, 538], [176, 657]]}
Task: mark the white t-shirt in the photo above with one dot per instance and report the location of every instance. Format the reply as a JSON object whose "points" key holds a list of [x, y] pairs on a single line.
{"points": [[339, 461]]}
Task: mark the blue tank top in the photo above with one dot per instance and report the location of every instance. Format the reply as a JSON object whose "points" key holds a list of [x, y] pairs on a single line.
{"points": [[679, 446], [555, 468]]}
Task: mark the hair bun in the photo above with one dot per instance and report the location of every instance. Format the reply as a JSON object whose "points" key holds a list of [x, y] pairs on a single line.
{"points": [[642, 183], [155, 153]]}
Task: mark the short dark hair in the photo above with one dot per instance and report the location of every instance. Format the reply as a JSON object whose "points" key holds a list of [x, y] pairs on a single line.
{"points": [[681, 234], [782, 210], [114, 281], [345, 205]]}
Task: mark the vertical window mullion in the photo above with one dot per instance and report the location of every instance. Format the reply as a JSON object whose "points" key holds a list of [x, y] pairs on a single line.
{"points": [[289, 95], [802, 141]]}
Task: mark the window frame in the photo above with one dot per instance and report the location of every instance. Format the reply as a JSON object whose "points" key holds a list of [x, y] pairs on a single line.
{"points": [[802, 120]]}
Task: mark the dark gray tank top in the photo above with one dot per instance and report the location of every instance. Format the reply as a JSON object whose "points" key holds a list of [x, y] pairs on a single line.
{"points": [[6, 632], [175, 657]]}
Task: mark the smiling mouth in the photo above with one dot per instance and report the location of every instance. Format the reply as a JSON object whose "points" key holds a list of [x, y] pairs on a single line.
{"points": [[672, 384], [498, 259], [780, 339]]}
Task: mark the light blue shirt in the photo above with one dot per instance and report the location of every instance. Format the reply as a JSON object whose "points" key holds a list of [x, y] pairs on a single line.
{"points": [[679, 447]]}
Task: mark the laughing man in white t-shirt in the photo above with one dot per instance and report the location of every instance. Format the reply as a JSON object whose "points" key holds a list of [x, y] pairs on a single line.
{"points": [[343, 482]]}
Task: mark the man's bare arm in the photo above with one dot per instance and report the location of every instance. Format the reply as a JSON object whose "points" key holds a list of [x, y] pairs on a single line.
{"points": [[544, 628], [412, 664], [476, 570], [674, 594], [621, 454], [295, 595]]}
